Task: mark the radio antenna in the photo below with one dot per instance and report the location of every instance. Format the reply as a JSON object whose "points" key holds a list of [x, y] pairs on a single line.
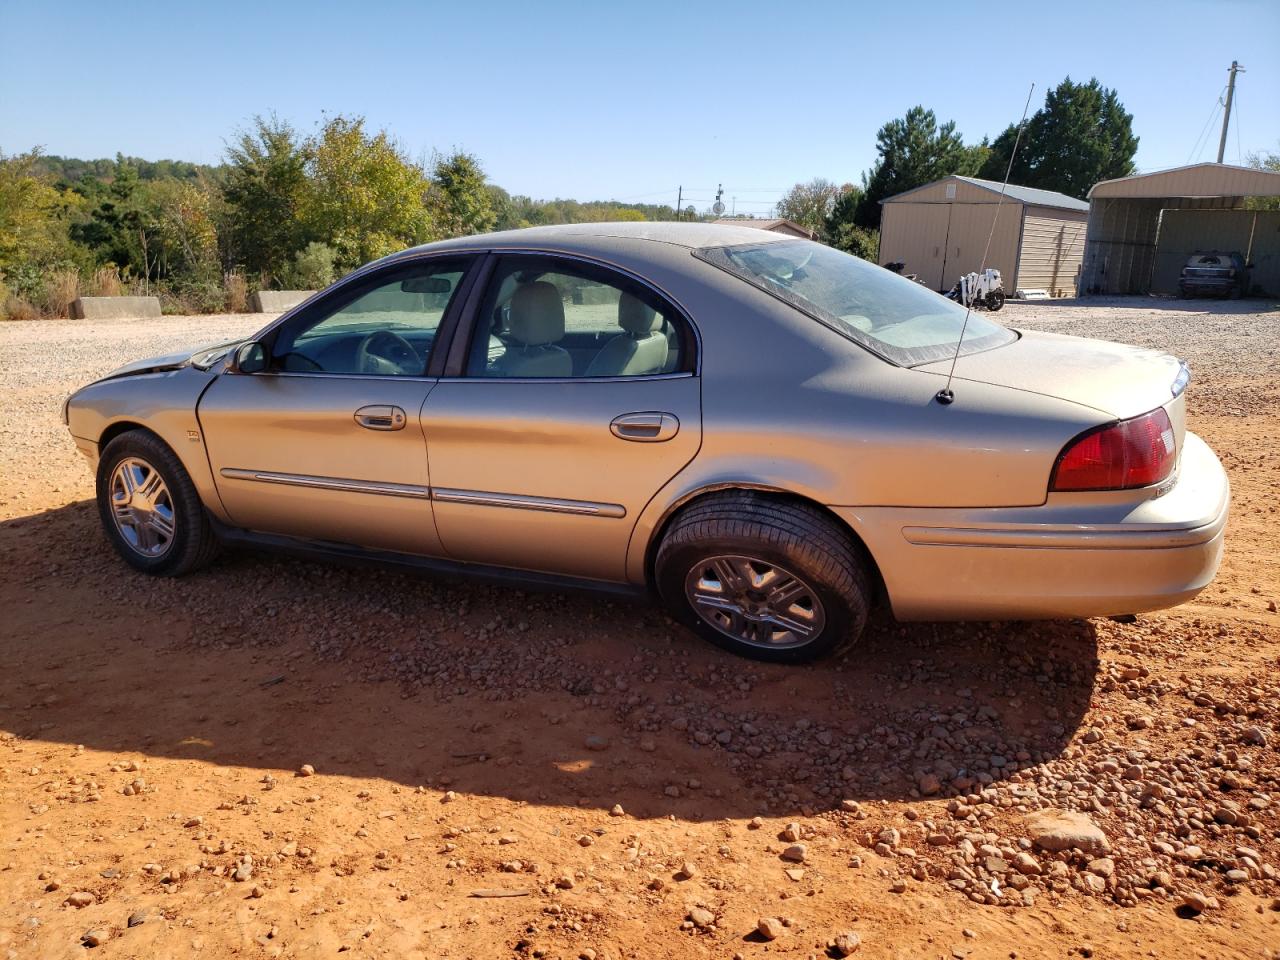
{"points": [[945, 396]]}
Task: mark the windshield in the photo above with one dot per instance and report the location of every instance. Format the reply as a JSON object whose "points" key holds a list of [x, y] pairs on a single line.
{"points": [[902, 321]]}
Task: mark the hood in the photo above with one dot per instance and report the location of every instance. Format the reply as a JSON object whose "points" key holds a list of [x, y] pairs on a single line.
{"points": [[1114, 378], [202, 358]]}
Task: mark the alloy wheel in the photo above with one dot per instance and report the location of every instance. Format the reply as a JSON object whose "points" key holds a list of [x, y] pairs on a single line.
{"points": [[141, 507], [755, 601]]}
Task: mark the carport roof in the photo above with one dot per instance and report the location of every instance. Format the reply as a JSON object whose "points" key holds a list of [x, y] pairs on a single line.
{"points": [[1195, 180]]}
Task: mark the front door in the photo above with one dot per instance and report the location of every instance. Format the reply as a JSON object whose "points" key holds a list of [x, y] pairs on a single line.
{"points": [[327, 442], [578, 403]]}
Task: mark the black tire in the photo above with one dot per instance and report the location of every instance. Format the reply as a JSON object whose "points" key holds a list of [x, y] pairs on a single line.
{"points": [[797, 539], [193, 544], [995, 300]]}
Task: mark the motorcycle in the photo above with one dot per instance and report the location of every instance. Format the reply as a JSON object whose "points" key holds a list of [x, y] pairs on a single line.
{"points": [[980, 291]]}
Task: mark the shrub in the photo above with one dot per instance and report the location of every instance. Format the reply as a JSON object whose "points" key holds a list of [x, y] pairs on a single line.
{"points": [[312, 268], [61, 288], [236, 289], [859, 241], [202, 296], [15, 308], [105, 282]]}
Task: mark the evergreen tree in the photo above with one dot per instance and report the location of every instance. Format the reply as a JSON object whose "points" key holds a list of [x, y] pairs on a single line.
{"points": [[1080, 136], [914, 150], [461, 200]]}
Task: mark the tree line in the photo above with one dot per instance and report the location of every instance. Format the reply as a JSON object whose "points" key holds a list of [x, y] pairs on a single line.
{"points": [[1081, 135], [283, 210]]}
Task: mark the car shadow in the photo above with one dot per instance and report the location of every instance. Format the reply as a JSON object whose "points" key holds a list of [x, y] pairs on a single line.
{"points": [[546, 698]]}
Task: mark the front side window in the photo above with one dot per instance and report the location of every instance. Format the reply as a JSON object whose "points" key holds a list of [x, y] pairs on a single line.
{"points": [[381, 326], [548, 318], [900, 320]]}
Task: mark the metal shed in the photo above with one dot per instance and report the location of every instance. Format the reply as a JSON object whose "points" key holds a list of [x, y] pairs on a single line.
{"points": [[1143, 228], [940, 232]]}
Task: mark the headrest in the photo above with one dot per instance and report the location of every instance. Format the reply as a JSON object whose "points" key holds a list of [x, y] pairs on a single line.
{"points": [[635, 316], [537, 314]]}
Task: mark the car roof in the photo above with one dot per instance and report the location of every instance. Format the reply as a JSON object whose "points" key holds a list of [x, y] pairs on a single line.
{"points": [[580, 235]]}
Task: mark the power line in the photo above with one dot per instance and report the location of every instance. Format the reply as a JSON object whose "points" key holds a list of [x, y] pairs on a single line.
{"points": [[1197, 148]]}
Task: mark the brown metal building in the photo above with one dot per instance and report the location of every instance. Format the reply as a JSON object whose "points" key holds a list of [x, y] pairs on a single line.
{"points": [[1142, 229], [940, 232]]}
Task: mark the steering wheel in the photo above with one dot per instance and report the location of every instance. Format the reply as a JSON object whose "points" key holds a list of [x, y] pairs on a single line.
{"points": [[389, 354]]}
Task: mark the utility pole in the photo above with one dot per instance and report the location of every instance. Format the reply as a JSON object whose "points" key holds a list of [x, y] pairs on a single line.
{"points": [[680, 198], [1226, 114]]}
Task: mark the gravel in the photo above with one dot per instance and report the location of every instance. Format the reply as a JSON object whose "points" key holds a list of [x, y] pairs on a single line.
{"points": [[1129, 763]]}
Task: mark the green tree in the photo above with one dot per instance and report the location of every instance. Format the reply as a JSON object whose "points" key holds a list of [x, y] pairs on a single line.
{"points": [[914, 150], [366, 199], [1263, 161], [34, 216], [461, 202], [842, 231], [265, 192], [1080, 136], [185, 210], [123, 225], [810, 204]]}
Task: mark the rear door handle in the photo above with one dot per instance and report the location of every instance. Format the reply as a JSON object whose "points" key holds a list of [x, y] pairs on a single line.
{"points": [[645, 427], [380, 416]]}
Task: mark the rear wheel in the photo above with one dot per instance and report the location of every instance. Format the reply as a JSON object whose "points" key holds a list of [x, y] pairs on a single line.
{"points": [[149, 507], [763, 578], [995, 300]]}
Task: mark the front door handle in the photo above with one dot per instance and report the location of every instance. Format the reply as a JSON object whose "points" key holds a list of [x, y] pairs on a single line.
{"points": [[380, 416], [645, 427]]}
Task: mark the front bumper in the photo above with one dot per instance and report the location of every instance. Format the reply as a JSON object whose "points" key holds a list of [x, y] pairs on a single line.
{"points": [[1077, 555], [87, 449]]}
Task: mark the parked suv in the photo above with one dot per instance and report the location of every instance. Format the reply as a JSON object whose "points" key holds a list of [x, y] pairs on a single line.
{"points": [[1220, 274]]}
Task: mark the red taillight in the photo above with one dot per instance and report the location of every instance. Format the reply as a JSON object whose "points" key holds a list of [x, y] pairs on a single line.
{"points": [[1131, 453]]}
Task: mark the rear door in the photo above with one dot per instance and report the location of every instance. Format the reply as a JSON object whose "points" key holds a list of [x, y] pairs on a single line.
{"points": [[327, 443], [546, 447]]}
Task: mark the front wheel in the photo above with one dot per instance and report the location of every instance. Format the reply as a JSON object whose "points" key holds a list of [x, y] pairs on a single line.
{"points": [[763, 578], [150, 509], [995, 300]]}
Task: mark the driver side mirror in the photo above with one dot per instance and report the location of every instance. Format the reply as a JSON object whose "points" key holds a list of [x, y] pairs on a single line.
{"points": [[249, 357]]}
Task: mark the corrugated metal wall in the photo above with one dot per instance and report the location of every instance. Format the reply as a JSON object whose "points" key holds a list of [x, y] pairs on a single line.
{"points": [[1120, 244], [1052, 251], [1255, 235]]}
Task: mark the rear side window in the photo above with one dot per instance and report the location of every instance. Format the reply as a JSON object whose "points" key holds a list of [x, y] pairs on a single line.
{"points": [[903, 322], [545, 317]]}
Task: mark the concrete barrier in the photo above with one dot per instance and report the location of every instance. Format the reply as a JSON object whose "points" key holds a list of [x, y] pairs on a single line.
{"points": [[114, 308], [278, 301]]}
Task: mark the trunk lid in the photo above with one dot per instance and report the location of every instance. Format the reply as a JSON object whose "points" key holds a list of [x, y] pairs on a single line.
{"points": [[1114, 378]]}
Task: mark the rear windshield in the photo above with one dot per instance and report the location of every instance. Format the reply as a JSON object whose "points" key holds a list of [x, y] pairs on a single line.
{"points": [[900, 320]]}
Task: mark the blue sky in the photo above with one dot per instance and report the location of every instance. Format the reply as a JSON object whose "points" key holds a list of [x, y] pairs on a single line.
{"points": [[624, 100]]}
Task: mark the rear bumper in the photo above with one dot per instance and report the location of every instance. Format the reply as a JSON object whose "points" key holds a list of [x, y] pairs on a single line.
{"points": [[1078, 555], [1208, 284]]}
